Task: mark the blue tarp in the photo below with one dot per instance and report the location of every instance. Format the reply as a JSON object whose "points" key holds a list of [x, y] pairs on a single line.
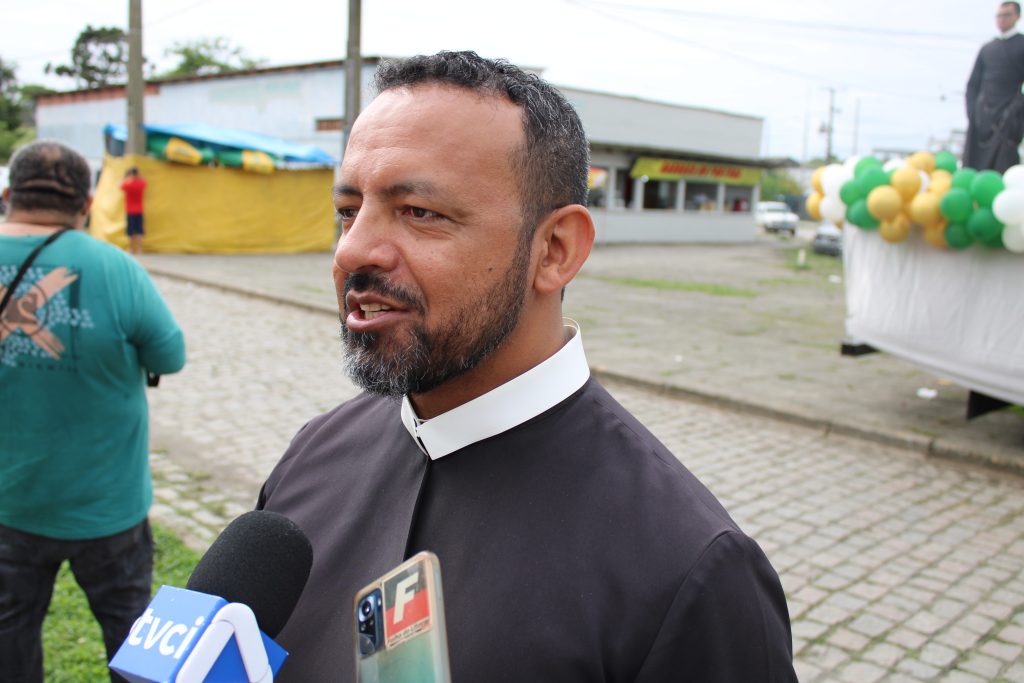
{"points": [[232, 138]]}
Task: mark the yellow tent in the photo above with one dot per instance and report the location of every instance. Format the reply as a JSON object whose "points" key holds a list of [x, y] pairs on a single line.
{"points": [[215, 209]]}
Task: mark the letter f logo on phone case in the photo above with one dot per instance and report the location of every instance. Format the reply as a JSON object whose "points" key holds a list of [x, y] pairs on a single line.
{"points": [[406, 605]]}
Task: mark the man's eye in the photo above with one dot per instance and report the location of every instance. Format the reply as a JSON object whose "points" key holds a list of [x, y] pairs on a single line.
{"points": [[418, 212], [347, 213]]}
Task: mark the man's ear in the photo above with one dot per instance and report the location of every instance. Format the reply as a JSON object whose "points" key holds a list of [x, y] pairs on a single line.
{"points": [[80, 219], [562, 242]]}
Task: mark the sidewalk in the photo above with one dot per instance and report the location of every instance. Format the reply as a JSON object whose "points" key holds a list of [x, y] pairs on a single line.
{"points": [[738, 326]]}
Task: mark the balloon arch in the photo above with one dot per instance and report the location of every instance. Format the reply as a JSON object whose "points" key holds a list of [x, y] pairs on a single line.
{"points": [[953, 207]]}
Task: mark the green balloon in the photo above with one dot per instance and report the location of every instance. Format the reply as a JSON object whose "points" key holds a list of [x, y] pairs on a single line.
{"points": [[995, 241], [956, 205], [859, 215], [872, 178], [985, 186], [851, 191], [866, 164], [958, 236], [945, 160], [963, 178], [984, 226]]}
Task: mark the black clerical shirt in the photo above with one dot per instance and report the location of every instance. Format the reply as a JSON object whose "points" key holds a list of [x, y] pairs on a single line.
{"points": [[573, 547]]}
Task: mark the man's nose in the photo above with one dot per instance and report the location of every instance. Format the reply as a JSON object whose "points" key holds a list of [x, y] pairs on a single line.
{"points": [[367, 244]]}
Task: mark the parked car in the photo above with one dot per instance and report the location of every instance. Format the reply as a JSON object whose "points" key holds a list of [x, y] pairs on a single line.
{"points": [[776, 217], [828, 240]]}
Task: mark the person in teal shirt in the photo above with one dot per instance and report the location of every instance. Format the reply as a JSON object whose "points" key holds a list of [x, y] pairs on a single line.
{"points": [[77, 337]]}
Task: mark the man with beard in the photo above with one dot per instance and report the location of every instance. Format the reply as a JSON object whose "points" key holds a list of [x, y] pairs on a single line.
{"points": [[995, 105], [573, 545]]}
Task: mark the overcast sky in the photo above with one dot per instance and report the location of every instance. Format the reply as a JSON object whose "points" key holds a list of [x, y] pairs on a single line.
{"points": [[898, 68]]}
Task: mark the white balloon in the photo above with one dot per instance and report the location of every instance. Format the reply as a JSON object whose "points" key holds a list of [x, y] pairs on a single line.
{"points": [[1008, 206], [925, 179], [893, 164], [850, 165], [1013, 238], [832, 179], [832, 208], [1014, 177]]}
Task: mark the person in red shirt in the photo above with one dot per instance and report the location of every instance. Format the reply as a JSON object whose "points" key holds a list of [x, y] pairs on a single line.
{"points": [[133, 187]]}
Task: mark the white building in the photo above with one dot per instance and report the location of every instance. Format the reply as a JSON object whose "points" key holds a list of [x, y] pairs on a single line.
{"points": [[660, 172]]}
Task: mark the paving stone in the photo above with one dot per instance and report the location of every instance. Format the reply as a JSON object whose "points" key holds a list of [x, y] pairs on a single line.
{"points": [[958, 676], [918, 669], [861, 672], [870, 625], [937, 655], [981, 664], [1006, 652], [848, 640]]}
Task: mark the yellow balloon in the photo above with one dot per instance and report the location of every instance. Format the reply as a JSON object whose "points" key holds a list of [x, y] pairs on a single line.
{"points": [[936, 235], [941, 181], [895, 230], [884, 202], [907, 182], [814, 205], [924, 209], [923, 161], [816, 180]]}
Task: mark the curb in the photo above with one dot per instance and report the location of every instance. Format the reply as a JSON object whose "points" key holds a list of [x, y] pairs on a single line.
{"points": [[929, 447]]}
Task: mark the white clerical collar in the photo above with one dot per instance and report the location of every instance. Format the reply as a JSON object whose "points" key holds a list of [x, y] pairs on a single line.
{"points": [[1009, 34], [513, 403]]}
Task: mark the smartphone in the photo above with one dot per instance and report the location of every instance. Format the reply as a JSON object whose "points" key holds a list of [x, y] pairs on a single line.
{"points": [[399, 625]]}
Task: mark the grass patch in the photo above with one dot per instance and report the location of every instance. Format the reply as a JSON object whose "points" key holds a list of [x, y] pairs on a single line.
{"points": [[712, 288], [72, 641]]}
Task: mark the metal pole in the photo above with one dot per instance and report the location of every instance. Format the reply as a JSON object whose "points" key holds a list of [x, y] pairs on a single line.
{"points": [[136, 88], [353, 71], [831, 112], [856, 125]]}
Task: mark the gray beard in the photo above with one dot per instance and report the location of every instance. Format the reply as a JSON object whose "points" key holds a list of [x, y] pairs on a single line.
{"points": [[426, 359]]}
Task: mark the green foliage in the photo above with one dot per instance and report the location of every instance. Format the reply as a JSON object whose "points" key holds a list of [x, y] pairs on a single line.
{"points": [[776, 184], [72, 640], [205, 56], [98, 58], [14, 109]]}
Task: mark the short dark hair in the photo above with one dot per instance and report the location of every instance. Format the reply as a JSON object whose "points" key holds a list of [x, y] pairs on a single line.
{"points": [[554, 164], [1015, 5], [47, 175]]}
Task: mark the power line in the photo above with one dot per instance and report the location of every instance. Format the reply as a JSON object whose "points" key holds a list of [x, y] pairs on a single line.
{"points": [[816, 79], [787, 23]]}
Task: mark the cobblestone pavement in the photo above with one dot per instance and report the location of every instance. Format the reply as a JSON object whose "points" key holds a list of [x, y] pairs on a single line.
{"points": [[896, 567]]}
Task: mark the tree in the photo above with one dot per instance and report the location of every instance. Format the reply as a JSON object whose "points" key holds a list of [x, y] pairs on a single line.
{"points": [[13, 132], [205, 56], [777, 183], [10, 100], [98, 58]]}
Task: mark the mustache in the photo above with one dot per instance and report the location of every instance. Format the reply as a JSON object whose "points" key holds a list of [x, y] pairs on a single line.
{"points": [[371, 283]]}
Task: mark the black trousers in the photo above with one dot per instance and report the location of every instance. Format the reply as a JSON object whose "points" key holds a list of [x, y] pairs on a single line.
{"points": [[115, 572]]}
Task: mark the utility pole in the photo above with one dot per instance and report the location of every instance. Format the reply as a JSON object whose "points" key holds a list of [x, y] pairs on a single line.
{"points": [[831, 120], [353, 71], [136, 88], [856, 125]]}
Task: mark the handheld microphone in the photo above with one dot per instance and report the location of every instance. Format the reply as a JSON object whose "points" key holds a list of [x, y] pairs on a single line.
{"points": [[220, 628]]}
